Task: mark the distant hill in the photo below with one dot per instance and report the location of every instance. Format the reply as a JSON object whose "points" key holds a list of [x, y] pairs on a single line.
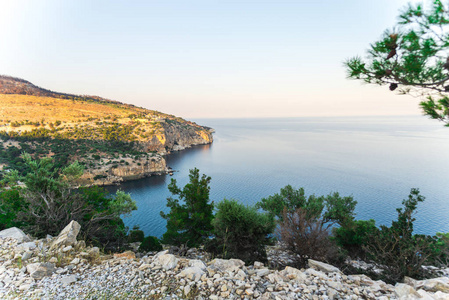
{"points": [[108, 137], [18, 86]]}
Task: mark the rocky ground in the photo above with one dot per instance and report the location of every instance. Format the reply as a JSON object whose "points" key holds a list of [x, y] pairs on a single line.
{"points": [[64, 268]]}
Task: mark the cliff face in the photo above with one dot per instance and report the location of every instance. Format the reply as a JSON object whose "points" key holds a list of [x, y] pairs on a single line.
{"points": [[131, 170], [176, 136]]}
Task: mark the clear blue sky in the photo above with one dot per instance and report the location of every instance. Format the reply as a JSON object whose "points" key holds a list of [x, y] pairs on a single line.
{"points": [[203, 58]]}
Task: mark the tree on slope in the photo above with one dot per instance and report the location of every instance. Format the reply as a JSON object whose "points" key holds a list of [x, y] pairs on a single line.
{"points": [[189, 222], [412, 58]]}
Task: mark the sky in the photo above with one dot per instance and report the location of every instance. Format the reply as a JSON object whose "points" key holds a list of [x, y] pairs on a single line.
{"points": [[203, 59]]}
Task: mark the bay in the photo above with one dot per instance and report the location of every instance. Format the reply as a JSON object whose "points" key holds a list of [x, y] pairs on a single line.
{"points": [[377, 160]]}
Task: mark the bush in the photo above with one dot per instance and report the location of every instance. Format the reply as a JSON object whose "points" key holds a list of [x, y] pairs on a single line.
{"points": [[136, 235], [308, 237], [396, 250], [150, 243], [241, 232], [353, 236], [10, 204]]}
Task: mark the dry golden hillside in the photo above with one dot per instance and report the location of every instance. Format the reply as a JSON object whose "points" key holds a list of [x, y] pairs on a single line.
{"points": [[113, 140]]}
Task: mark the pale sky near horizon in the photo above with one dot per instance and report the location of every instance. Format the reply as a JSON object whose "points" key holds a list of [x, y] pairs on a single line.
{"points": [[203, 59]]}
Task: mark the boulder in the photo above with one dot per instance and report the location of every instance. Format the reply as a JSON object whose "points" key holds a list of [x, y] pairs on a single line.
{"points": [[192, 273], [431, 285], [68, 235], [40, 270], [320, 266], [197, 263], [167, 261], [226, 265], [426, 296], [294, 274], [404, 291], [15, 233]]}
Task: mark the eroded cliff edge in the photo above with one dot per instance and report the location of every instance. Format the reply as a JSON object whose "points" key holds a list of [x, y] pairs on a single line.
{"points": [[174, 138]]}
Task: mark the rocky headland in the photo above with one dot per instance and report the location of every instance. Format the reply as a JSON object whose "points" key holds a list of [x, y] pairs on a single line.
{"points": [[114, 141], [63, 267]]}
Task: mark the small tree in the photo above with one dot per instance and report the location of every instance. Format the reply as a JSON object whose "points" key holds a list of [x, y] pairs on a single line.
{"points": [[336, 209], [189, 222], [241, 231], [412, 58], [305, 221], [307, 236], [396, 249]]}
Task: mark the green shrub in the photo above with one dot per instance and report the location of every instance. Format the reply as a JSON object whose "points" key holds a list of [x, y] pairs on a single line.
{"points": [[10, 204], [136, 235], [353, 236], [241, 232], [396, 249], [150, 243]]}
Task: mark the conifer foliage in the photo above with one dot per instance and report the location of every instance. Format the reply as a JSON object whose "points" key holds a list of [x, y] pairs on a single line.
{"points": [[412, 58], [190, 216]]}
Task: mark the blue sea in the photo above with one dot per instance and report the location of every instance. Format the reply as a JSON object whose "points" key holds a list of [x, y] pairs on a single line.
{"points": [[377, 160]]}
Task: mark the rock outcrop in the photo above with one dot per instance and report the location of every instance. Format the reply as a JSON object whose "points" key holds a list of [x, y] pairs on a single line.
{"points": [[72, 271]]}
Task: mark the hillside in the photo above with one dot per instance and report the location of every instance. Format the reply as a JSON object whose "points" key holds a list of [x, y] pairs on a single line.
{"points": [[115, 141]]}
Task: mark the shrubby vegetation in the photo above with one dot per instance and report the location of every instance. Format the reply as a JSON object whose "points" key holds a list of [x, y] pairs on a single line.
{"points": [[90, 152], [317, 227], [46, 203], [150, 243], [241, 231], [305, 222]]}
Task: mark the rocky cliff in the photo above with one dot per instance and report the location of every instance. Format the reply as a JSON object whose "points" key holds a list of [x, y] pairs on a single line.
{"points": [[113, 140]]}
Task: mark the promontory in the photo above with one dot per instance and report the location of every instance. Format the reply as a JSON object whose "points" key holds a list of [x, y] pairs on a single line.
{"points": [[113, 140]]}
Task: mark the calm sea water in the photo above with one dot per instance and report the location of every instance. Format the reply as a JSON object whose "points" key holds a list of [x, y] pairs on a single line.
{"points": [[375, 159]]}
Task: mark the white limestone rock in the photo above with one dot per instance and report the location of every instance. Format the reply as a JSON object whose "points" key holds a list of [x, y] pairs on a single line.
{"points": [[67, 237], [320, 266], [226, 265], [15, 233], [40, 270]]}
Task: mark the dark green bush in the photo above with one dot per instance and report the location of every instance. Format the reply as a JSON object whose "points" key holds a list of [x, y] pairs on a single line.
{"points": [[136, 235], [241, 232], [10, 204], [353, 236], [150, 243]]}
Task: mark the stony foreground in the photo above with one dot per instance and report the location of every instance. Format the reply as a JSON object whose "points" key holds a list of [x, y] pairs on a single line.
{"points": [[63, 268]]}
